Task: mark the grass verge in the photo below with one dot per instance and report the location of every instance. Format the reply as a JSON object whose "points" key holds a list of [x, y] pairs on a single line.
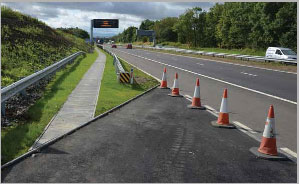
{"points": [[113, 93], [245, 51], [269, 65], [17, 139]]}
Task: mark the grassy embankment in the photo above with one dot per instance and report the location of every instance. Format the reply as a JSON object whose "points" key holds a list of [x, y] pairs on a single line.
{"points": [[29, 45], [270, 65], [17, 139], [113, 93]]}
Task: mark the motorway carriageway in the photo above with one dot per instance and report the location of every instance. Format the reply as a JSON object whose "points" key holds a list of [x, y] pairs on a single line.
{"points": [[251, 90]]}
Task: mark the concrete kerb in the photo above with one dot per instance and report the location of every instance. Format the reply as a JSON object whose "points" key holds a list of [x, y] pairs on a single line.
{"points": [[52, 141]]}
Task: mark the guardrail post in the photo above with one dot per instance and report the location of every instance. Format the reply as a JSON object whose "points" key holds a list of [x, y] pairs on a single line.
{"points": [[131, 76], [117, 75], [24, 93], [3, 108]]}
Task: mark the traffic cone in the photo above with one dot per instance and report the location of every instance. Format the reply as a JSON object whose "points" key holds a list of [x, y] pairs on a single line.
{"points": [[268, 144], [268, 148], [223, 117], [196, 104], [164, 80], [175, 92]]}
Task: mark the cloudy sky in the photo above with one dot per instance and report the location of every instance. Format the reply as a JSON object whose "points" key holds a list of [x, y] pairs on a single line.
{"points": [[79, 14]]}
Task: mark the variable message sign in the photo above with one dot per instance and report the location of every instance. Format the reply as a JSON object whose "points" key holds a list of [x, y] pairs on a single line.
{"points": [[105, 23]]}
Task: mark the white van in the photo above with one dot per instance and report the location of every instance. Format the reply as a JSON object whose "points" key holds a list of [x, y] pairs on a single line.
{"points": [[280, 53]]}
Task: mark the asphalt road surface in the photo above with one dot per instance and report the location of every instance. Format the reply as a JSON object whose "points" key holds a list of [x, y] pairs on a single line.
{"points": [[280, 84], [245, 104], [155, 138]]}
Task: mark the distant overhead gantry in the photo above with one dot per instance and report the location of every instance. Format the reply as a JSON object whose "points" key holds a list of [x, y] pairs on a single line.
{"points": [[102, 23]]}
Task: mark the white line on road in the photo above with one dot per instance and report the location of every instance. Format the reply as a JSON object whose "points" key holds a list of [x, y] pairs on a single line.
{"points": [[243, 128], [140, 69], [227, 63], [248, 74], [200, 64], [287, 150], [252, 90]]}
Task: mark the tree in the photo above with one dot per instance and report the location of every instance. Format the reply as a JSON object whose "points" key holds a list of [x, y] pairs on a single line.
{"points": [[147, 24], [164, 30]]}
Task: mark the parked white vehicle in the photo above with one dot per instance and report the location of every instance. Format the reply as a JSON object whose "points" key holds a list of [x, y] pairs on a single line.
{"points": [[280, 53]]}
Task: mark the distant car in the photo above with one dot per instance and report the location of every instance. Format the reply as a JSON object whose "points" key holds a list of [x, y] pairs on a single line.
{"points": [[280, 53], [129, 46], [113, 46]]}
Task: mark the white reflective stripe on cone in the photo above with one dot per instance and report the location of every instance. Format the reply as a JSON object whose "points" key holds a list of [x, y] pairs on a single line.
{"points": [[175, 84], [197, 92], [223, 107], [164, 77], [269, 131]]}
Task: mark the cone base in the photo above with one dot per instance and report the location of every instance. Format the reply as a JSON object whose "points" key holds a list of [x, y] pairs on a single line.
{"points": [[215, 124], [254, 150], [195, 107], [175, 95]]}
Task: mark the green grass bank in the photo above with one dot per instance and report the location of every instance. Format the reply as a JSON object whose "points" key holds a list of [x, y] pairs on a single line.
{"points": [[245, 51], [29, 45], [113, 93], [17, 139]]}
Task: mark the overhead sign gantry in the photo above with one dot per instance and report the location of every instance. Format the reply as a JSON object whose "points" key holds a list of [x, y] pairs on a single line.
{"points": [[102, 23], [149, 33]]}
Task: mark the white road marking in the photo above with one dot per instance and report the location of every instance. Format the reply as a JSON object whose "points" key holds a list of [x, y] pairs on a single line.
{"points": [[248, 74], [290, 152], [188, 97], [213, 111], [244, 127], [200, 64], [140, 69], [252, 90], [227, 63]]}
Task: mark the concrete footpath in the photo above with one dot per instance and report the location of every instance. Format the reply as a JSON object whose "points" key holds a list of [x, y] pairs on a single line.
{"points": [[154, 138], [80, 105]]}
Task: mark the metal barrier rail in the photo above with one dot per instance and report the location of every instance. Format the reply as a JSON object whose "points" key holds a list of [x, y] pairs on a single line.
{"points": [[235, 56], [122, 75], [22, 84]]}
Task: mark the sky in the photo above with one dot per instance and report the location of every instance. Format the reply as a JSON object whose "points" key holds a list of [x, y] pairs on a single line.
{"points": [[79, 14]]}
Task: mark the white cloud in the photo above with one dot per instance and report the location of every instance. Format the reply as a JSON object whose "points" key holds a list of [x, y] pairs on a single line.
{"points": [[79, 14]]}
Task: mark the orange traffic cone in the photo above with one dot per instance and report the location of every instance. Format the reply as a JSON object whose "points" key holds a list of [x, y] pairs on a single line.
{"points": [[164, 80], [268, 144], [268, 149], [223, 118], [196, 104], [175, 89]]}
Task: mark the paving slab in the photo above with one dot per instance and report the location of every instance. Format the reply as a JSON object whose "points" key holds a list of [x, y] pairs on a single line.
{"points": [[154, 138], [80, 105]]}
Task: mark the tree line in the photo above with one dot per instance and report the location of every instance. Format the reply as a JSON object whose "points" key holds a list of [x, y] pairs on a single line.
{"points": [[228, 25]]}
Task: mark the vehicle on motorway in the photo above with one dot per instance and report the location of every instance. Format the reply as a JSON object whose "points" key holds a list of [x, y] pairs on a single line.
{"points": [[113, 46], [129, 46], [159, 46], [280, 53]]}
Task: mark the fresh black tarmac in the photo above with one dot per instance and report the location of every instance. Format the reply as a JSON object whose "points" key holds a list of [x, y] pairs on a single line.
{"points": [[154, 138]]}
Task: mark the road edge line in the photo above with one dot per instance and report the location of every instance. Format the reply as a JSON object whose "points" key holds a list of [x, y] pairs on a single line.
{"points": [[223, 62], [219, 80]]}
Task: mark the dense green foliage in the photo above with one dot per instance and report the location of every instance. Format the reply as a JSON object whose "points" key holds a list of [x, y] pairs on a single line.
{"points": [[76, 31], [29, 45], [229, 25]]}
